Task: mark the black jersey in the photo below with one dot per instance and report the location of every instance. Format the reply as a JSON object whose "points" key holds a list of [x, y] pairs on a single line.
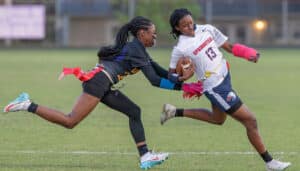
{"points": [[133, 58]]}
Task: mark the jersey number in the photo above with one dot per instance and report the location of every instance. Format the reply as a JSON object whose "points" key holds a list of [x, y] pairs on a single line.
{"points": [[211, 54]]}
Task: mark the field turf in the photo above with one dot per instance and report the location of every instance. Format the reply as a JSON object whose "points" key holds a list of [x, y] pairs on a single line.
{"points": [[103, 142]]}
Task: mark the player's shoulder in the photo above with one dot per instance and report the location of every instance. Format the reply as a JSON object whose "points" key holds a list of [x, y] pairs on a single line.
{"points": [[177, 49], [204, 27]]}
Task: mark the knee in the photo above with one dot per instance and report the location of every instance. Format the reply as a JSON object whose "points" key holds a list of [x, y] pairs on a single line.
{"points": [[251, 124], [135, 113], [220, 121], [70, 123], [217, 116]]}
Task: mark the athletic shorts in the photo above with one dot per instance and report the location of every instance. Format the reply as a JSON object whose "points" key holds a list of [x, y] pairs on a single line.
{"points": [[224, 97], [98, 86]]}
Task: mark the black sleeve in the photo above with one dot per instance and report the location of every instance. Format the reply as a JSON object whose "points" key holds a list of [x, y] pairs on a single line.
{"points": [[137, 57], [165, 74], [159, 70], [154, 78], [151, 75]]}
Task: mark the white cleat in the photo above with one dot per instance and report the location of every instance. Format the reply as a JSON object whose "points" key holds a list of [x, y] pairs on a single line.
{"points": [[167, 113], [151, 159], [21, 103], [275, 165]]}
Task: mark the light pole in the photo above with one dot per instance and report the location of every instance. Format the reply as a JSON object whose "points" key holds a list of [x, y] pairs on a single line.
{"points": [[208, 13], [285, 24], [7, 41], [131, 8]]}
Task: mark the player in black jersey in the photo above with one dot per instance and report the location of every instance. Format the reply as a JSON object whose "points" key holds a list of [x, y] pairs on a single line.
{"points": [[115, 62]]}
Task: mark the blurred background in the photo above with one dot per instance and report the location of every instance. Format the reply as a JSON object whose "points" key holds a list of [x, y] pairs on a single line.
{"points": [[40, 37], [93, 23]]}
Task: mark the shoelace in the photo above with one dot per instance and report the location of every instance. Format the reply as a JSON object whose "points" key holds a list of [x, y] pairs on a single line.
{"points": [[22, 97]]}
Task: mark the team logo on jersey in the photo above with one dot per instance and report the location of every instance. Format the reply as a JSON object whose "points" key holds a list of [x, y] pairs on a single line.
{"points": [[230, 97], [206, 42]]}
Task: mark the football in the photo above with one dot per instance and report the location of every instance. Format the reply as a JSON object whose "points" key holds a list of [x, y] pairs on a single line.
{"points": [[182, 64]]}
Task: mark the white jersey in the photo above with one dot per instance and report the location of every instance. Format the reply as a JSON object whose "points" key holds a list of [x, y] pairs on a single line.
{"points": [[204, 51]]}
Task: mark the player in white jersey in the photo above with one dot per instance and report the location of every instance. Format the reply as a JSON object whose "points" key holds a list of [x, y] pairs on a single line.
{"points": [[212, 68], [201, 43]]}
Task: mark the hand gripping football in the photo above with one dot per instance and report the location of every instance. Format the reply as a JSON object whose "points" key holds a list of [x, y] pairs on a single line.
{"points": [[183, 63]]}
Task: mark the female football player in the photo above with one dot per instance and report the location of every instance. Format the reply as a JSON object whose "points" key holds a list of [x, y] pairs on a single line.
{"points": [[201, 43], [115, 62]]}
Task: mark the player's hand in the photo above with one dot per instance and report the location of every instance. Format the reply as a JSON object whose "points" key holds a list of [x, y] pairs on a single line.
{"points": [[187, 72], [191, 90], [254, 58], [245, 52]]}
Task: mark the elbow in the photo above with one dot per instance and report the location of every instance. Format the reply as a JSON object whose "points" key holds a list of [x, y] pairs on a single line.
{"points": [[227, 47], [70, 125], [155, 84]]}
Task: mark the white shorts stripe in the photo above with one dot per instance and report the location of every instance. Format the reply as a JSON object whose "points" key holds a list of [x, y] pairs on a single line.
{"points": [[219, 98]]}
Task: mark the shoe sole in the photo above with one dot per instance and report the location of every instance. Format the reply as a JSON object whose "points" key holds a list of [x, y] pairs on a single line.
{"points": [[279, 170], [8, 107], [152, 164]]}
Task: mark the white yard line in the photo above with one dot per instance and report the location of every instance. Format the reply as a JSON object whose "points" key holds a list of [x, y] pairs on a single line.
{"points": [[135, 153]]}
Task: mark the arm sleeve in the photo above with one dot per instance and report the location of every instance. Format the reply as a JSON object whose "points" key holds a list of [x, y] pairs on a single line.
{"points": [[159, 70], [137, 57], [217, 35], [158, 81], [173, 77]]}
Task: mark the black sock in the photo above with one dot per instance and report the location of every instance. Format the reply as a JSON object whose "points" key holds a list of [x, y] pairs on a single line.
{"points": [[266, 156], [143, 149], [179, 113], [32, 107]]}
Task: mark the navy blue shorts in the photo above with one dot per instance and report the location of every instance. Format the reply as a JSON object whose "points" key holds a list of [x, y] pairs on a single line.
{"points": [[224, 97]]}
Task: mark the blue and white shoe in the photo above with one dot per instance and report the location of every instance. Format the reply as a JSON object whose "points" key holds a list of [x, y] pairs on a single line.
{"points": [[151, 159], [21, 103]]}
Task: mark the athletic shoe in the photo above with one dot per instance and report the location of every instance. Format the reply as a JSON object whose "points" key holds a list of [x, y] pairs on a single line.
{"points": [[21, 103], [168, 112], [151, 159], [275, 165]]}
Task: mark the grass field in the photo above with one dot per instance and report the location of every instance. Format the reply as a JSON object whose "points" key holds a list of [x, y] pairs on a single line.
{"points": [[103, 142]]}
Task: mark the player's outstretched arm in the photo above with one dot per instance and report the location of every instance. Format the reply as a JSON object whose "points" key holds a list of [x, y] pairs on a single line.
{"points": [[242, 51]]}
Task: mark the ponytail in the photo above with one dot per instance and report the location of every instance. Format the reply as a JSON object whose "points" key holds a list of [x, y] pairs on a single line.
{"points": [[121, 40], [136, 24]]}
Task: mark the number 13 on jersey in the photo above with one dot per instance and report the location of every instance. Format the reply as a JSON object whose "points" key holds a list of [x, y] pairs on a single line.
{"points": [[210, 53]]}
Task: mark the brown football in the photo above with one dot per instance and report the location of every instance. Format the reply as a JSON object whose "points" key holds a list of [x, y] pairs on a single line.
{"points": [[183, 63]]}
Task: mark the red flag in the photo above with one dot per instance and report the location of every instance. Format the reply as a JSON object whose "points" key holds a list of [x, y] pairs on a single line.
{"points": [[80, 74]]}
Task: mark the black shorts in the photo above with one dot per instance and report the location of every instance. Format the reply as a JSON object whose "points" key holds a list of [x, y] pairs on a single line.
{"points": [[98, 86]]}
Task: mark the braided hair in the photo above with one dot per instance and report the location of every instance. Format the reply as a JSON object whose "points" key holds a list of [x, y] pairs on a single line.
{"points": [[136, 24], [175, 17]]}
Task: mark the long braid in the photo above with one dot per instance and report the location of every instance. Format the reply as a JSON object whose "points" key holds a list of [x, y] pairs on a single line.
{"points": [[136, 24], [175, 17]]}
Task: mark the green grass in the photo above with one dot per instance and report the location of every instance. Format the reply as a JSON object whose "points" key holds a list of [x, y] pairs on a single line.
{"points": [[269, 88]]}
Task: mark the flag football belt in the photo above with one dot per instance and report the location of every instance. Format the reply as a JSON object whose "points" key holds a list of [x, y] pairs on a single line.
{"points": [[82, 75]]}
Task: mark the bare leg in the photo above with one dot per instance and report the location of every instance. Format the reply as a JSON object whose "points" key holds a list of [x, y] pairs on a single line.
{"points": [[83, 106], [247, 118], [216, 116]]}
